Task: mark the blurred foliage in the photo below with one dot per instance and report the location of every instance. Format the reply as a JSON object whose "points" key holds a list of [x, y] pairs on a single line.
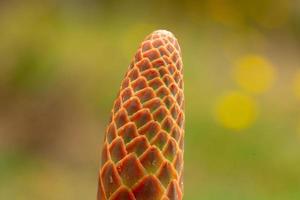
{"points": [[62, 62]]}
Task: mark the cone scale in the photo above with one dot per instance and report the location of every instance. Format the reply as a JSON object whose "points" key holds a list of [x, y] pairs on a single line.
{"points": [[142, 154]]}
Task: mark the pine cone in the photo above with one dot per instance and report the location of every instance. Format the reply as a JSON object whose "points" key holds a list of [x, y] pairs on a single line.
{"points": [[142, 156]]}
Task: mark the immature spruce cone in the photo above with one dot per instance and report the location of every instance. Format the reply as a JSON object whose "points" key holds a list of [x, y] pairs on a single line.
{"points": [[142, 157]]}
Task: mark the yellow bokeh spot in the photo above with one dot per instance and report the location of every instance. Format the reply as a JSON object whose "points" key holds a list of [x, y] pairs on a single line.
{"points": [[236, 110], [296, 85], [254, 74], [298, 131], [222, 12]]}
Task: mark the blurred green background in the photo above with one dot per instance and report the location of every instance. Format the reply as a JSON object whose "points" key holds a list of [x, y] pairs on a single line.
{"points": [[61, 64]]}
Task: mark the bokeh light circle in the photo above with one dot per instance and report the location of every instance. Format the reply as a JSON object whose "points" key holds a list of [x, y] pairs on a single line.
{"points": [[296, 85], [254, 73], [235, 110]]}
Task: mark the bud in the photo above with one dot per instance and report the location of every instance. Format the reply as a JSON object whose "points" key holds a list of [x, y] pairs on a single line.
{"points": [[142, 155]]}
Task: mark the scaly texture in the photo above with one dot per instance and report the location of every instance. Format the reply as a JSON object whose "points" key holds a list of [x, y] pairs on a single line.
{"points": [[142, 156]]}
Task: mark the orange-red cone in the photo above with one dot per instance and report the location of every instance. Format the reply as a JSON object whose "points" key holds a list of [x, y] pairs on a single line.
{"points": [[142, 155]]}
